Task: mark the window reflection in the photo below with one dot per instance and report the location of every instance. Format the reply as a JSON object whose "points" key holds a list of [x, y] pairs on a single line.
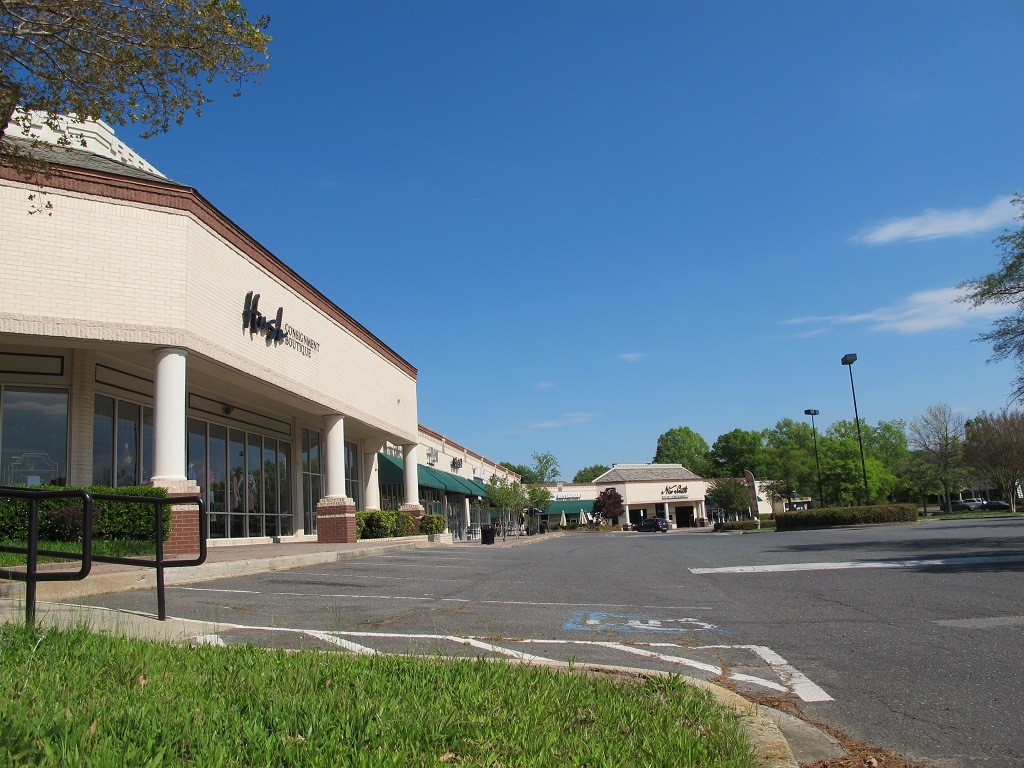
{"points": [[33, 435]]}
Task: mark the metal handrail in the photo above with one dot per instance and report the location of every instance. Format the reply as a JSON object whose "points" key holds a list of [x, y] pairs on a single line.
{"points": [[31, 574]]}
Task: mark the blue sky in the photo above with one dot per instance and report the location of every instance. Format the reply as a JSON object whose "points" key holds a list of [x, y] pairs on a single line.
{"points": [[588, 222]]}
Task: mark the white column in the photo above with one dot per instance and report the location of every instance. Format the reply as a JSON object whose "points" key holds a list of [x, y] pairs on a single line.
{"points": [[169, 417], [334, 447], [412, 478], [465, 516], [371, 488], [625, 520]]}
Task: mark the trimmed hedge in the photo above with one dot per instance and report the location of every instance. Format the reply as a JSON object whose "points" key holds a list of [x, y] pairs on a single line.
{"points": [[385, 524], [61, 519], [432, 524], [829, 517], [737, 525]]}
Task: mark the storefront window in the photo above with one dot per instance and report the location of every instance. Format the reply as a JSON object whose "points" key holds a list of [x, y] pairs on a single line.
{"points": [[122, 442], [33, 435], [312, 477], [216, 504], [236, 458], [103, 441], [353, 488], [244, 479]]}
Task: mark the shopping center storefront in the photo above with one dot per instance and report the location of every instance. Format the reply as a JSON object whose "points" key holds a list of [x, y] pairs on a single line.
{"points": [[669, 491], [146, 339]]}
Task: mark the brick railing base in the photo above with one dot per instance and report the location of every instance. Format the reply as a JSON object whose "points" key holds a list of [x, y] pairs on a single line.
{"points": [[184, 537], [336, 520]]}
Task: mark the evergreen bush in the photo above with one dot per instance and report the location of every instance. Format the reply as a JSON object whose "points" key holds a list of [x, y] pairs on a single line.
{"points": [[61, 519], [432, 524], [737, 525], [829, 517]]}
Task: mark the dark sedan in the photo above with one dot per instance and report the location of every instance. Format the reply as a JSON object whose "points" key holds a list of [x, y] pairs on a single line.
{"points": [[652, 524], [1001, 506]]}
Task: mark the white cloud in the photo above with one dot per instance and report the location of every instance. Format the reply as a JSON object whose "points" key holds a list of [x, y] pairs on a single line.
{"points": [[565, 421], [545, 384], [918, 313], [932, 223], [632, 357]]}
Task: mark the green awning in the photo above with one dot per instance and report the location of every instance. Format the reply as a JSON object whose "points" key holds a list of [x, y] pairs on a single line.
{"points": [[391, 471], [570, 507]]}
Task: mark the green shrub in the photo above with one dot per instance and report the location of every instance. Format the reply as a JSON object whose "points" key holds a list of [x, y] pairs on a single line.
{"points": [[61, 519], [829, 517], [377, 524], [431, 524], [405, 524], [737, 525]]}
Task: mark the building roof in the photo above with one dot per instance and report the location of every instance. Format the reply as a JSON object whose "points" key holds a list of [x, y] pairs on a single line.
{"points": [[637, 473], [82, 158]]}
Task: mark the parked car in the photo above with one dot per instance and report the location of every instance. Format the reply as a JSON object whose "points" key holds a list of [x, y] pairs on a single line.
{"points": [[652, 524], [960, 506], [996, 505]]}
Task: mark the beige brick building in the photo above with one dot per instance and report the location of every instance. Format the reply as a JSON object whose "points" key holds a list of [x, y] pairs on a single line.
{"points": [[147, 339]]}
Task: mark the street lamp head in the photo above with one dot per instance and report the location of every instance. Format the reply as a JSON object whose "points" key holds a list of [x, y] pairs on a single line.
{"points": [[849, 359], [811, 412]]}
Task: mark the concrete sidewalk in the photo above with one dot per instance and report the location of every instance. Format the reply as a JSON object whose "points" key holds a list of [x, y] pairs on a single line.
{"points": [[231, 561]]}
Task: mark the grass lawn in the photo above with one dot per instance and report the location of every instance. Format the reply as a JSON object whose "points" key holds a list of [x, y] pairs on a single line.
{"points": [[969, 514], [73, 698]]}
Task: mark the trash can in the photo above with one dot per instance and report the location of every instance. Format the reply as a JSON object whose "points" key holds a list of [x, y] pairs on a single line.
{"points": [[543, 528], [486, 534]]}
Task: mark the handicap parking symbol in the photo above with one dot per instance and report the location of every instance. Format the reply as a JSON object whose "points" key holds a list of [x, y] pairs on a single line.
{"points": [[589, 621]]}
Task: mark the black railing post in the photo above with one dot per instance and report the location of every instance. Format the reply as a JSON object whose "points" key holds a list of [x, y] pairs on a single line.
{"points": [[32, 561], [161, 605]]}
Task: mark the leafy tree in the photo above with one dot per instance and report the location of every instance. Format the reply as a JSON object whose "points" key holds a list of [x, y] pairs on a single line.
{"points": [[841, 472], [884, 446], [509, 497], [682, 445], [939, 436], [730, 495], [916, 475], [589, 474], [788, 460], [1005, 286], [525, 473], [124, 61], [994, 448], [608, 505], [545, 467], [736, 451], [538, 496]]}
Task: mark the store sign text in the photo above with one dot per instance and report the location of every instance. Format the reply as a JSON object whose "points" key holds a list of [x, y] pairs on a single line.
{"points": [[300, 342], [676, 489], [568, 496], [255, 321]]}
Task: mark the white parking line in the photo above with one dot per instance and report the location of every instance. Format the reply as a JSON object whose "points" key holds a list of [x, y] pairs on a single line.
{"points": [[792, 680], [341, 643], [924, 562], [438, 599]]}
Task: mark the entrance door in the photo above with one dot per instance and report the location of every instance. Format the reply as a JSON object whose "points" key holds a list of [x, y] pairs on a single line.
{"points": [[684, 516]]}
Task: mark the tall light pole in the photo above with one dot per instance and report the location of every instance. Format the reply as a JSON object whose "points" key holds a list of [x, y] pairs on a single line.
{"points": [[849, 360], [812, 412]]}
